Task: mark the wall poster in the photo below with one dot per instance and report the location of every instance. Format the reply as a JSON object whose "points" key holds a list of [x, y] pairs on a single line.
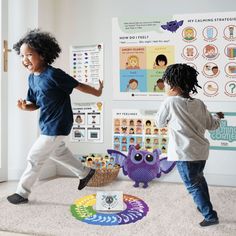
{"points": [[132, 127], [144, 47], [224, 138], [86, 63], [88, 122]]}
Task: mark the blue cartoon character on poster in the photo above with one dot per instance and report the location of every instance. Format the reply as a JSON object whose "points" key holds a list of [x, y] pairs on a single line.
{"points": [[142, 166], [172, 26]]}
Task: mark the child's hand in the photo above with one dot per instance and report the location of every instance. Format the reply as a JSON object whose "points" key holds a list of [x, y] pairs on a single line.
{"points": [[100, 88], [85, 88], [21, 104], [220, 115]]}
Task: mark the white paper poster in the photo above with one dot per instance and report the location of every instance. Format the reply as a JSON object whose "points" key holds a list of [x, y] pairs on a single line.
{"points": [[224, 138], [141, 52], [144, 47], [137, 127], [208, 43], [88, 122], [86, 63]]}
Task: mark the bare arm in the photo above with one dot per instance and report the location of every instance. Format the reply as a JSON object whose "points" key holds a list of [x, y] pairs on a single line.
{"points": [[91, 90], [23, 105]]}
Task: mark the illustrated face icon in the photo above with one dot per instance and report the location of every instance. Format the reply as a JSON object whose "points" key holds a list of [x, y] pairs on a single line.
{"points": [[133, 85], [189, 52], [161, 63], [189, 34], [211, 52], [133, 63], [161, 85], [215, 70]]}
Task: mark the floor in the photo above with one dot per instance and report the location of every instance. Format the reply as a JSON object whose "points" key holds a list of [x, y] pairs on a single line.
{"points": [[7, 188]]}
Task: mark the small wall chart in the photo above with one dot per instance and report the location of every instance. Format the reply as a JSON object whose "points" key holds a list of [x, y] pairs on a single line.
{"points": [[86, 63], [88, 122]]}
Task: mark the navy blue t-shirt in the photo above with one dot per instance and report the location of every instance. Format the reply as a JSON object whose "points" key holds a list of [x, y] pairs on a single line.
{"points": [[50, 91]]}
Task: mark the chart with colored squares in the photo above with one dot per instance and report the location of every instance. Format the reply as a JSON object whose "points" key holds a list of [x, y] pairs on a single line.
{"points": [[137, 127], [144, 47], [134, 209], [86, 63]]}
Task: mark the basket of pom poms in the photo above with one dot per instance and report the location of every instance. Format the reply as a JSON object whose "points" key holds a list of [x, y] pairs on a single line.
{"points": [[106, 168]]}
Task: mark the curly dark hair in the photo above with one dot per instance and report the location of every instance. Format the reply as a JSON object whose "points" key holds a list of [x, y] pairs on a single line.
{"points": [[182, 76], [42, 42]]}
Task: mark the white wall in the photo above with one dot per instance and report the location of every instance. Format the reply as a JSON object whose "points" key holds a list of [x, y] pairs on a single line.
{"points": [[22, 126], [79, 22], [3, 94]]}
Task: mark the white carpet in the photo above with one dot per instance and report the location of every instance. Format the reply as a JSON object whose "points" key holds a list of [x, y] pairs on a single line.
{"points": [[171, 211]]}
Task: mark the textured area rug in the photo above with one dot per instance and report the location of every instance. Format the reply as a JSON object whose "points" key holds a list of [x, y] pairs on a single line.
{"points": [[171, 211]]}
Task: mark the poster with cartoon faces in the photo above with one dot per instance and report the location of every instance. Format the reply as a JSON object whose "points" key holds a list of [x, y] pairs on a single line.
{"points": [[208, 43], [135, 127], [143, 48], [141, 54], [88, 122]]}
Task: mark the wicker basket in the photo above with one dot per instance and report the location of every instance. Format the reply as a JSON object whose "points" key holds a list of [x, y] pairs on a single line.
{"points": [[104, 176]]}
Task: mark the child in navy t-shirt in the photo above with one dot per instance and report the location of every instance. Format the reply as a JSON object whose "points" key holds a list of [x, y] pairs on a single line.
{"points": [[49, 91]]}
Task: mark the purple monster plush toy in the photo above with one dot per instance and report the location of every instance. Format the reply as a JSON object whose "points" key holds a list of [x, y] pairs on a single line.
{"points": [[142, 166]]}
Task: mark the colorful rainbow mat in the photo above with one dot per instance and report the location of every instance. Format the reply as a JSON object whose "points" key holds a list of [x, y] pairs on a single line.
{"points": [[83, 210]]}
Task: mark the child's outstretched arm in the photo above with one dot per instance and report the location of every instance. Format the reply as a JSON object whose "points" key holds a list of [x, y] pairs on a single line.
{"points": [[91, 90], [23, 105], [213, 121]]}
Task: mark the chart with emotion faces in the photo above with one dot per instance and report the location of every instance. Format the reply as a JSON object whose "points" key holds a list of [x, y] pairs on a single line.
{"points": [[143, 48], [208, 43], [136, 127]]}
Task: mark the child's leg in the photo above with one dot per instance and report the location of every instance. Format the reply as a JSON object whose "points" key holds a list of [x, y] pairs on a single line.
{"points": [[63, 156], [38, 154], [191, 173]]}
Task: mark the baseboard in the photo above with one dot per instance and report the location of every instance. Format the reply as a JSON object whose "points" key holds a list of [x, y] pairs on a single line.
{"points": [[212, 179], [221, 180], [173, 177], [48, 171]]}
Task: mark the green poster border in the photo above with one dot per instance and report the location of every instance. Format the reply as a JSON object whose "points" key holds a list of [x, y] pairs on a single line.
{"points": [[224, 148]]}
